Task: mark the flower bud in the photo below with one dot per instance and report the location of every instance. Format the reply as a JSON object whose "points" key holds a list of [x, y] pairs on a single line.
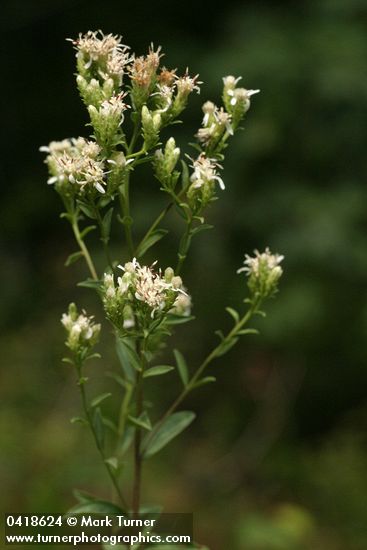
{"points": [[151, 123], [164, 164]]}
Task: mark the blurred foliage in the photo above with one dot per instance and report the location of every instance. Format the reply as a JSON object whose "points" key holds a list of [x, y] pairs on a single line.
{"points": [[278, 458]]}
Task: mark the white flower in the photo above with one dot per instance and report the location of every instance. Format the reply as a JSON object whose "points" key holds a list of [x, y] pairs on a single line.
{"points": [[231, 81], [205, 171], [241, 95], [74, 161], [81, 329], [267, 260], [187, 84], [141, 285]]}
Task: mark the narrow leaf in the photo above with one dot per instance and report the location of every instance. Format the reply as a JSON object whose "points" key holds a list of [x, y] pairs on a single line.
{"points": [[151, 240], [73, 258], [91, 283], [97, 400], [156, 371], [178, 319], [203, 381], [78, 420], [201, 228], [170, 428], [143, 421], [85, 208], [233, 313], [83, 496], [129, 356], [113, 462], [227, 346], [106, 223], [185, 177], [96, 507], [248, 331], [125, 363], [87, 230], [181, 366], [126, 440]]}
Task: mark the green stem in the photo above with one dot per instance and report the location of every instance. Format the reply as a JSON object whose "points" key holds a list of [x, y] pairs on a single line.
{"points": [[104, 239], [83, 247], [98, 445], [138, 461], [184, 246], [125, 194]]}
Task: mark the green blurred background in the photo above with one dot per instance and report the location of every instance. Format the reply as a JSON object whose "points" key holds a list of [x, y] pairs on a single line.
{"points": [[277, 459]]}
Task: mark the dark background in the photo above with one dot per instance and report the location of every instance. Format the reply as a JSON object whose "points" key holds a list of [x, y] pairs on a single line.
{"points": [[277, 459]]}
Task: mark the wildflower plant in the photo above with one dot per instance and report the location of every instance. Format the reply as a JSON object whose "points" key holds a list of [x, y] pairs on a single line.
{"points": [[130, 99]]}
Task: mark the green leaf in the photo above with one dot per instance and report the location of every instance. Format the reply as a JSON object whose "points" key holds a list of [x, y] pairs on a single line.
{"points": [[91, 283], [85, 208], [233, 313], [87, 230], [73, 258], [169, 429], [126, 440], [178, 319], [83, 496], [123, 383], [106, 223], [151, 240], [128, 358], [200, 228], [248, 331], [181, 367], [98, 426], [156, 371], [110, 424], [203, 381], [96, 507], [97, 400], [185, 177], [124, 360], [78, 420], [143, 421], [113, 462], [226, 346]]}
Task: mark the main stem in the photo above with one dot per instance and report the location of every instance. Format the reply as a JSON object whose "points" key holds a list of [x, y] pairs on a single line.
{"points": [[138, 462], [125, 195]]}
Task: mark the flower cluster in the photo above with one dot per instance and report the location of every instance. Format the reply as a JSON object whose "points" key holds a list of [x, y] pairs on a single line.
{"points": [[236, 100], [102, 57], [215, 123], [203, 180], [82, 332], [143, 293], [263, 271], [106, 120], [74, 166]]}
